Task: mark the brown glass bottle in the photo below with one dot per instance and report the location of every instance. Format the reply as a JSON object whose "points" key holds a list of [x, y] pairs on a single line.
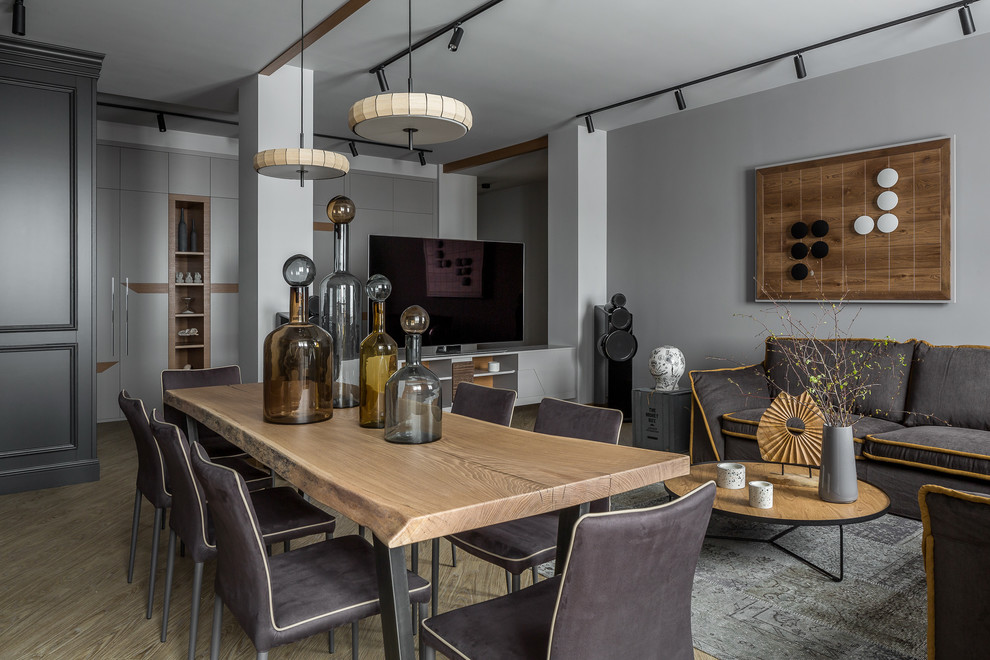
{"points": [[298, 357], [379, 357]]}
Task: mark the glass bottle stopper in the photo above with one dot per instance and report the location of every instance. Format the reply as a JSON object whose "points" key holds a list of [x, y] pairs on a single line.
{"points": [[414, 320], [340, 210], [299, 270], [379, 288]]}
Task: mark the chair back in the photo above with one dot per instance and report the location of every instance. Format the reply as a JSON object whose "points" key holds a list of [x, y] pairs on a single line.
{"points": [[242, 567], [626, 588], [152, 480], [489, 404], [575, 420], [177, 379], [189, 513], [955, 547]]}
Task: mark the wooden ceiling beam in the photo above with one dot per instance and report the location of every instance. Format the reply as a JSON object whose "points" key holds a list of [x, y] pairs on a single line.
{"points": [[330, 22], [529, 146]]}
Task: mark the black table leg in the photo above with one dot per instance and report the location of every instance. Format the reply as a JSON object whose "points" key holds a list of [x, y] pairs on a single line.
{"points": [[192, 429], [393, 592], [565, 532], [773, 541]]}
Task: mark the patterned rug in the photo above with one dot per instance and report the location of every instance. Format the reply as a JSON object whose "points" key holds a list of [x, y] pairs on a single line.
{"points": [[752, 601]]}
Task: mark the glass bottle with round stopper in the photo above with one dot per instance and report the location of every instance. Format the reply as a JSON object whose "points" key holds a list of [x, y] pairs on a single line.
{"points": [[413, 399], [340, 309], [379, 356], [298, 357]]}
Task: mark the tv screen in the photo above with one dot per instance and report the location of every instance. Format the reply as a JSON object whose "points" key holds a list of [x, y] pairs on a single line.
{"points": [[472, 290]]}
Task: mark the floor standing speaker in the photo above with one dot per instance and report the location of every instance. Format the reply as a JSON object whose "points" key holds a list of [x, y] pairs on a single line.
{"points": [[615, 348]]}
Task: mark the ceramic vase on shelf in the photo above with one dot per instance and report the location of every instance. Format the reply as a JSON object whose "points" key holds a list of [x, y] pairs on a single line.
{"points": [[193, 237], [413, 398], [837, 477], [379, 357], [340, 309], [181, 238], [298, 357], [667, 367]]}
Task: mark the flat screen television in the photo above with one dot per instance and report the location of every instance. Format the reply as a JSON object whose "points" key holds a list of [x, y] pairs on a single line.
{"points": [[472, 290]]}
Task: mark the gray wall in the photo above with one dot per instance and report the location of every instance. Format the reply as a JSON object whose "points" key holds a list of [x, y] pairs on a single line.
{"points": [[519, 215], [680, 199]]}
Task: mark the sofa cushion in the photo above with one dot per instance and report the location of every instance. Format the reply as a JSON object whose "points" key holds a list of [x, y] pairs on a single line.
{"points": [[949, 387], [947, 449], [886, 364]]}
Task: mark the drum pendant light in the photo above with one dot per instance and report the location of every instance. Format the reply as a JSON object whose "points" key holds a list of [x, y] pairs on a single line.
{"points": [[304, 164], [410, 118]]}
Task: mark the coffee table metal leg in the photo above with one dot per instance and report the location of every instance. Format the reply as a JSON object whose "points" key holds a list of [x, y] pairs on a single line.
{"points": [[565, 531], [393, 593], [773, 541]]}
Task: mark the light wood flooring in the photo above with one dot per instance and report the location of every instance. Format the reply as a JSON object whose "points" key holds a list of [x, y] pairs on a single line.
{"points": [[63, 576]]}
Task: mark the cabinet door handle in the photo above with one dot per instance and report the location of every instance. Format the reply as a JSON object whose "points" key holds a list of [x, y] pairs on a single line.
{"points": [[127, 316], [113, 316]]}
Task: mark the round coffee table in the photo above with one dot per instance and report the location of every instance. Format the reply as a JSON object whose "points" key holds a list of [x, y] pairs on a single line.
{"points": [[795, 503]]}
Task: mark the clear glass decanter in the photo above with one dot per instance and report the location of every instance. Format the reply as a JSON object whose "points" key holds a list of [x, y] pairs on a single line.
{"points": [[379, 356], [298, 357], [413, 399]]}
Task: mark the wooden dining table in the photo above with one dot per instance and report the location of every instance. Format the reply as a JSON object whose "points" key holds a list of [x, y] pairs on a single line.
{"points": [[477, 474]]}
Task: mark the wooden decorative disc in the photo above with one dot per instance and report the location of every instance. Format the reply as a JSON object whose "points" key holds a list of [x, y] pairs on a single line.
{"points": [[779, 444]]}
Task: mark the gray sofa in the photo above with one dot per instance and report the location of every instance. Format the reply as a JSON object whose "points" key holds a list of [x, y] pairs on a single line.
{"points": [[926, 418]]}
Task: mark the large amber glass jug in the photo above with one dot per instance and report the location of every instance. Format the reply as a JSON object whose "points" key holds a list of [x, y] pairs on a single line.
{"points": [[413, 398], [379, 356], [298, 370]]}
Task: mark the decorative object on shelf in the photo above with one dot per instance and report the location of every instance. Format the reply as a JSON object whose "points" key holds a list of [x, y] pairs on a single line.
{"points": [[302, 163], [667, 367], [181, 236], [837, 477], [379, 356], [761, 494], [863, 225], [790, 431], [340, 309], [494, 366], [730, 475], [198, 278], [410, 118], [413, 398], [298, 357], [189, 278], [193, 237], [187, 301], [179, 279], [189, 332]]}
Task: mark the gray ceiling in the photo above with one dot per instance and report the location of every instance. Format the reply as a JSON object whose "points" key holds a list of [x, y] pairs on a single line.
{"points": [[525, 67]]}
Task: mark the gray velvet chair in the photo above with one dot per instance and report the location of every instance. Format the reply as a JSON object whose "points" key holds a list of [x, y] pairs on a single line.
{"points": [[955, 549], [177, 379], [281, 599], [625, 592], [283, 515], [523, 544]]}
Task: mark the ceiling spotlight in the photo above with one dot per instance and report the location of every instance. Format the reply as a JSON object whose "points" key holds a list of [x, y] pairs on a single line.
{"points": [[17, 26], [679, 97], [354, 151], [422, 158], [161, 122], [965, 20], [455, 39], [382, 82], [799, 67], [590, 124]]}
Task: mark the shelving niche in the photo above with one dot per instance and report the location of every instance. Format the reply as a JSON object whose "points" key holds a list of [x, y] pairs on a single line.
{"points": [[192, 350]]}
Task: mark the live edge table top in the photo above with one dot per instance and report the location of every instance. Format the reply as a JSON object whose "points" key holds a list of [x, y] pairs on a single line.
{"points": [[477, 474]]}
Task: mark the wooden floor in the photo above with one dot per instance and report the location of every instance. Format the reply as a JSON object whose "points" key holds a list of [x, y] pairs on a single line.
{"points": [[63, 573]]}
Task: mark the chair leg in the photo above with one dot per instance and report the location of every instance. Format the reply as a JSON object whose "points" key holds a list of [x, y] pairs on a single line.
{"points": [[508, 582], [330, 641], [197, 592], [134, 530], [262, 655], [453, 555], [217, 623], [536, 575], [515, 582], [271, 473], [169, 569], [361, 531], [426, 652], [435, 577], [354, 641], [285, 545], [154, 559], [414, 558]]}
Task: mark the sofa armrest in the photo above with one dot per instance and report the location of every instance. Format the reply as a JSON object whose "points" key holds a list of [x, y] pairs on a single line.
{"points": [[718, 391]]}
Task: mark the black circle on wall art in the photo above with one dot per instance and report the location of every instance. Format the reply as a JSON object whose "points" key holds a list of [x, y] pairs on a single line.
{"points": [[799, 250], [819, 228], [799, 230], [819, 249], [799, 271]]}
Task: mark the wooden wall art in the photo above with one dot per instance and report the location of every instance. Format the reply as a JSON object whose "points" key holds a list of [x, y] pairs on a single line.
{"points": [[871, 225]]}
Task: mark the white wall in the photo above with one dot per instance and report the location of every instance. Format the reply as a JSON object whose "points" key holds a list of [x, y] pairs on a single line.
{"points": [[458, 208]]}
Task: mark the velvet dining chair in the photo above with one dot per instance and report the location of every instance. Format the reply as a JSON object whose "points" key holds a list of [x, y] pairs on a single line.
{"points": [[177, 379], [625, 592]]}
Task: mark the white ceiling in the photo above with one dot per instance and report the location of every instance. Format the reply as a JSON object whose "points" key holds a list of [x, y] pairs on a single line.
{"points": [[525, 67]]}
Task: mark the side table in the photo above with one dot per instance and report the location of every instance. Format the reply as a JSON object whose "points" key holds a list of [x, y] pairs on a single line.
{"points": [[661, 420]]}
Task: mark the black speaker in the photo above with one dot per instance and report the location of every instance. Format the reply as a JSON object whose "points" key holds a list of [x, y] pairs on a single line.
{"points": [[615, 348]]}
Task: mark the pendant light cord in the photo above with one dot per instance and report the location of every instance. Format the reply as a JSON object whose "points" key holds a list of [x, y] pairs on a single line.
{"points": [[409, 83], [302, 84]]}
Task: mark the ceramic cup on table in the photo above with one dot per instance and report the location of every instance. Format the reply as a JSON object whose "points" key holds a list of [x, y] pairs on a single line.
{"points": [[730, 475], [761, 494], [494, 366]]}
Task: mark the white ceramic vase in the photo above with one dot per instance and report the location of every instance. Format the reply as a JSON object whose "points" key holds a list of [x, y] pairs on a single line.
{"points": [[667, 367]]}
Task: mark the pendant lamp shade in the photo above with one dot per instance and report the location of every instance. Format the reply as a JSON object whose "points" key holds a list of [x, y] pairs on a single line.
{"points": [[307, 164], [389, 118]]}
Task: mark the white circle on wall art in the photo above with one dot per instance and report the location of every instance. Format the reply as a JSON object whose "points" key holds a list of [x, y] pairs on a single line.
{"points": [[887, 223], [887, 177], [863, 225], [887, 200]]}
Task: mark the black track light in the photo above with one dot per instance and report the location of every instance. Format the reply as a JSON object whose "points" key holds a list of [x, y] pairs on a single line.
{"points": [[455, 39], [382, 82], [799, 66], [590, 124], [161, 122], [679, 97], [18, 23], [965, 20], [422, 158], [353, 146]]}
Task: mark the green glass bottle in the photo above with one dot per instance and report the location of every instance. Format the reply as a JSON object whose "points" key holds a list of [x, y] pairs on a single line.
{"points": [[379, 356]]}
